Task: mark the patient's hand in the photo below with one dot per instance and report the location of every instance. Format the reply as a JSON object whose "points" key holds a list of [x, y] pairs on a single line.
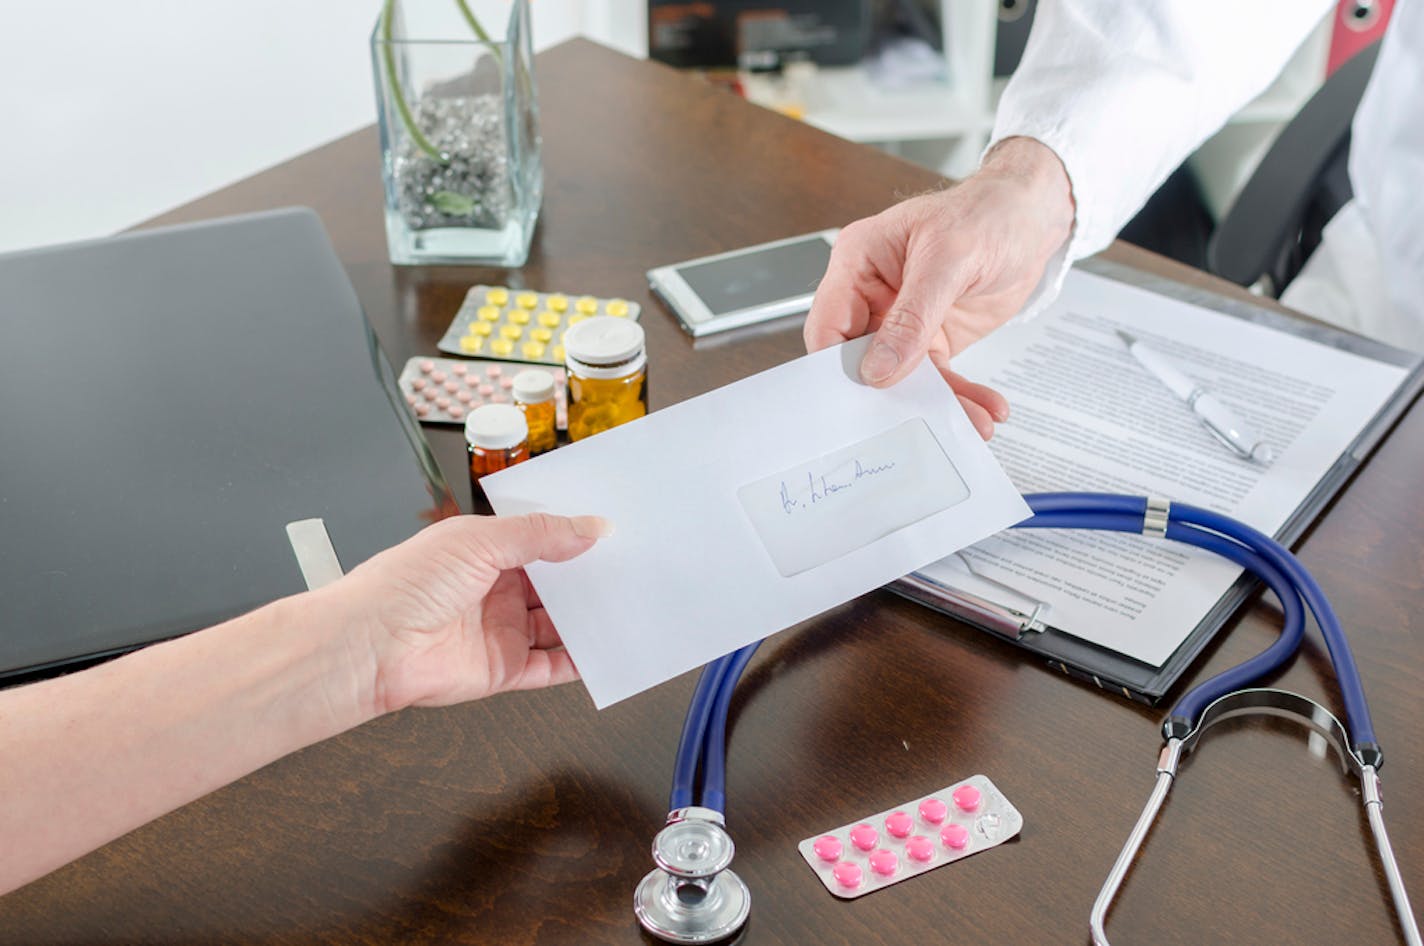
{"points": [[449, 615]]}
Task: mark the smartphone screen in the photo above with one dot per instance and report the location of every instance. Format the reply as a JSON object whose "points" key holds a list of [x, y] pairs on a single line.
{"points": [[760, 277]]}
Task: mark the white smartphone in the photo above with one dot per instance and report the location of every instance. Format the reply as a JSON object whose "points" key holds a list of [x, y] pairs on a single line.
{"points": [[746, 286]]}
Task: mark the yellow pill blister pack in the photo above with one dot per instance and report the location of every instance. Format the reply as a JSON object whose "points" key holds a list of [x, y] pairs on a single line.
{"points": [[522, 325]]}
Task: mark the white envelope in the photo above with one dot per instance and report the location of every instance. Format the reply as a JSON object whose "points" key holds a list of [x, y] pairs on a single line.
{"points": [[753, 507]]}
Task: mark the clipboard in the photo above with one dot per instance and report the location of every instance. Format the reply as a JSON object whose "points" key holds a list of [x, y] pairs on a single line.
{"points": [[1025, 623]]}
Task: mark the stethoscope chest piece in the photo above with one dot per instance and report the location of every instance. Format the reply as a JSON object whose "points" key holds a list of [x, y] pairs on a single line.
{"points": [[691, 896]]}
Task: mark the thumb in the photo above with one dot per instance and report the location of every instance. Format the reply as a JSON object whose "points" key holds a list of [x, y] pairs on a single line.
{"points": [[512, 542], [914, 318]]}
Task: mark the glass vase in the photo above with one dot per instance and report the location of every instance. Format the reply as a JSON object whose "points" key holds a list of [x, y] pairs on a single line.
{"points": [[459, 129]]}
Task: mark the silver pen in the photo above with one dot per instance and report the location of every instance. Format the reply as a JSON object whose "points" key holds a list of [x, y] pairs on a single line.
{"points": [[1215, 416]]}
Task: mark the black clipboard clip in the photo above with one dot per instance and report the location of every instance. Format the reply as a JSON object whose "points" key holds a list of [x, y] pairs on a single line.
{"points": [[1005, 620]]}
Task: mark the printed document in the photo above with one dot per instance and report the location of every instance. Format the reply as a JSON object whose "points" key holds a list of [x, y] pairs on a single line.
{"points": [[1085, 415], [753, 507]]}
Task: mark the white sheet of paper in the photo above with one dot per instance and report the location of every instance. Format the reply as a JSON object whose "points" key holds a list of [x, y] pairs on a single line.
{"points": [[703, 495], [1086, 416]]}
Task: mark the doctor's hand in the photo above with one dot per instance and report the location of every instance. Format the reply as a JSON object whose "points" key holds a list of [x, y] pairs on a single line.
{"points": [[449, 615], [935, 273]]}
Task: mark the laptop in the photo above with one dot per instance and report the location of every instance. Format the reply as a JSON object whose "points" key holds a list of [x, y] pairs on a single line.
{"points": [[170, 400]]}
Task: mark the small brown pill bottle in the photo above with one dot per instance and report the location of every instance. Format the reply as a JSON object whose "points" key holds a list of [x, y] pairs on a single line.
{"points": [[608, 374], [496, 437], [534, 394]]}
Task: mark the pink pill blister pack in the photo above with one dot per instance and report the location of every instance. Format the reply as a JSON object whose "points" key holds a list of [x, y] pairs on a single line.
{"points": [[445, 390], [920, 835]]}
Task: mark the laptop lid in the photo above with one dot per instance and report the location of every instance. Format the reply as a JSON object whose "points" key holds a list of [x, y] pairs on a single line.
{"points": [[169, 401]]}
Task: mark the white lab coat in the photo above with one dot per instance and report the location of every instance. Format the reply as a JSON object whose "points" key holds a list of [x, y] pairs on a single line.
{"points": [[1123, 92]]}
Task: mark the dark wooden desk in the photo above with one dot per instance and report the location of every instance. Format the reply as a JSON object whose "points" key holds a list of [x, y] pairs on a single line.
{"points": [[526, 818]]}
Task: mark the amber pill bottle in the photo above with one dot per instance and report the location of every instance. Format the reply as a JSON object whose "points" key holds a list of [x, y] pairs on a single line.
{"points": [[534, 394], [496, 437], [608, 374]]}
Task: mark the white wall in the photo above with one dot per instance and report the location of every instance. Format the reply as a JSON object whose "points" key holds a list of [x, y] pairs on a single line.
{"points": [[112, 112]]}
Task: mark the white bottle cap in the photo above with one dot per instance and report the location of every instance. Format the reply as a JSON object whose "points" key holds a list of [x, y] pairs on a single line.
{"points": [[533, 386], [604, 347], [496, 427]]}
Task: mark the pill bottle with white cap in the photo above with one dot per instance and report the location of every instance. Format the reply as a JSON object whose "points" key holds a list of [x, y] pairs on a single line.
{"points": [[608, 376], [496, 437], [533, 392]]}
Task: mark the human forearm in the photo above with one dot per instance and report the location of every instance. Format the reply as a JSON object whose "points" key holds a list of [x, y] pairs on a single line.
{"points": [[94, 755], [1123, 93], [444, 617]]}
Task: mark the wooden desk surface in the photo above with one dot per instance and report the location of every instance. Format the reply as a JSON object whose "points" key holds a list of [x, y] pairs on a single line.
{"points": [[526, 818]]}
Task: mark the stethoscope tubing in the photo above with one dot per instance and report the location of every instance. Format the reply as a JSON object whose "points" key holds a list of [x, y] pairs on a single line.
{"points": [[703, 742], [1190, 706], [1342, 659], [704, 734]]}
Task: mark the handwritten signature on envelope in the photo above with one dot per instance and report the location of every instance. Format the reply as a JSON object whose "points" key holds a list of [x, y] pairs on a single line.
{"points": [[818, 511]]}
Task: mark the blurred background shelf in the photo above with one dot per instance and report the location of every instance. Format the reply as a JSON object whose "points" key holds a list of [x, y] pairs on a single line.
{"points": [[848, 102], [944, 123]]}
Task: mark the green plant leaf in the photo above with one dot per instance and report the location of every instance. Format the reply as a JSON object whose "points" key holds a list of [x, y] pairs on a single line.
{"points": [[453, 204], [388, 56]]}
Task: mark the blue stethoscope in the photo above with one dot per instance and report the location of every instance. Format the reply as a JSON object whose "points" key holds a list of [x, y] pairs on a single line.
{"points": [[692, 896]]}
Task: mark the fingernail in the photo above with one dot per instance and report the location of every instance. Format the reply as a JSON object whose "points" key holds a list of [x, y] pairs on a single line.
{"points": [[1002, 414], [592, 527], [880, 362]]}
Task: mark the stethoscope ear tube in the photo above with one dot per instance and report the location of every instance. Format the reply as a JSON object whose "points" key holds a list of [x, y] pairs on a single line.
{"points": [[1260, 702]]}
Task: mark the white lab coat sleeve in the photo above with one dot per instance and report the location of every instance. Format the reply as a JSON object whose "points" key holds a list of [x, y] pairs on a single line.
{"points": [[1124, 92]]}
